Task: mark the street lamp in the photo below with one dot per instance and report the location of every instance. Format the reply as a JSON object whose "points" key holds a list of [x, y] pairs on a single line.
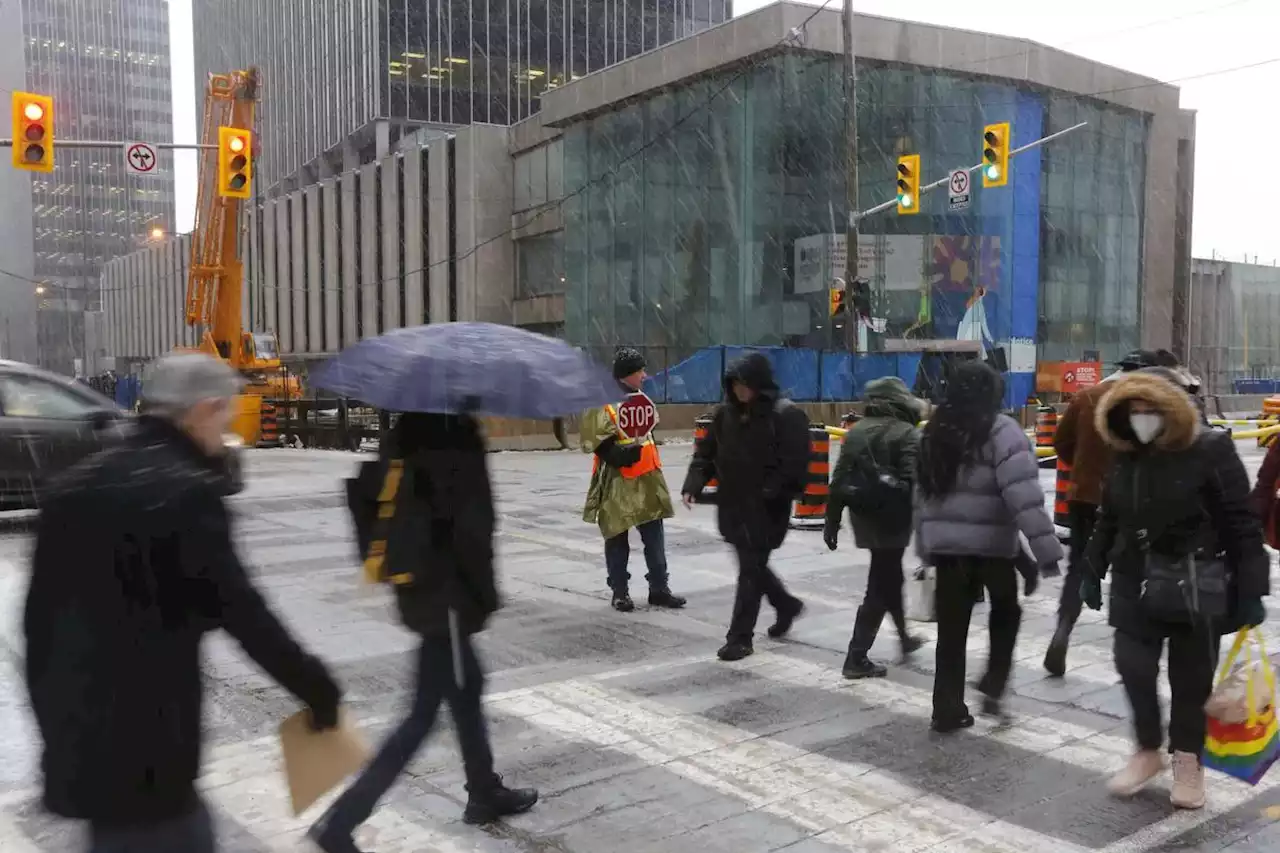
{"points": [[39, 289], [157, 233]]}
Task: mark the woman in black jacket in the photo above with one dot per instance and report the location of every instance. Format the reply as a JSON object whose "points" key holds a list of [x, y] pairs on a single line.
{"points": [[1185, 551], [439, 560]]}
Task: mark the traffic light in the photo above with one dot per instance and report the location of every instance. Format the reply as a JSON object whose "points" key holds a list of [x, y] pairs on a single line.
{"points": [[235, 162], [908, 184], [995, 155], [32, 132], [837, 300]]}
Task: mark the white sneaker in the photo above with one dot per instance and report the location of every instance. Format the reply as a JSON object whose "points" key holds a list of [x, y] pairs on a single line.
{"points": [[1188, 781], [1141, 769]]}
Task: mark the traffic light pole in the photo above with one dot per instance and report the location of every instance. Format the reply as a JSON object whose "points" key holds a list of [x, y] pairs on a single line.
{"points": [[888, 205], [850, 177]]}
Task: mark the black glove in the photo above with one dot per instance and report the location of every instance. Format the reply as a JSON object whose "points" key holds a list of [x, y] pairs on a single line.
{"points": [[618, 455], [1252, 613], [323, 717], [1091, 590], [1030, 583], [831, 535]]}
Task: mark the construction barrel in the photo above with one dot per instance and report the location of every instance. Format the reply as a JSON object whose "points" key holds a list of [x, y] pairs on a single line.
{"points": [[1046, 426], [269, 435], [811, 508], [1061, 509], [700, 426]]}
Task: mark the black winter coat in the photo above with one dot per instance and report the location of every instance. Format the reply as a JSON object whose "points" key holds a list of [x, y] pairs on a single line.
{"points": [[442, 531], [1188, 490], [133, 564], [759, 453]]}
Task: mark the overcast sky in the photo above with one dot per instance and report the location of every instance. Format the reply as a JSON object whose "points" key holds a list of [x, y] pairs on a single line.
{"points": [[1164, 39]]}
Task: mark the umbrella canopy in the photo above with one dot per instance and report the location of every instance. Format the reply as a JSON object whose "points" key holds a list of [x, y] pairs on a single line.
{"points": [[483, 368]]}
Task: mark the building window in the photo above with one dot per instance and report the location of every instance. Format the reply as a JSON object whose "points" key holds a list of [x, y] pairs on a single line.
{"points": [[540, 264]]}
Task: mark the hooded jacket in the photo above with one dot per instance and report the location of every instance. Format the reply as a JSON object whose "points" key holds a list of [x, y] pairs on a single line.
{"points": [[885, 439], [133, 565], [1187, 492], [759, 452], [442, 532]]}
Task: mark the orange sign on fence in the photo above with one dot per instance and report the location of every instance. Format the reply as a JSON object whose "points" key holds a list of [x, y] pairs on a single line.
{"points": [[1067, 377]]}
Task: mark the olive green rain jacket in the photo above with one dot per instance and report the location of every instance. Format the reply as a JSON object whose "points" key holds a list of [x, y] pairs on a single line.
{"points": [[615, 502]]}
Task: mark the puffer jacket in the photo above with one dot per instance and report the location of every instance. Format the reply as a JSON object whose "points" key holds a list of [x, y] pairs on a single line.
{"points": [[996, 497], [758, 452], [1186, 493]]}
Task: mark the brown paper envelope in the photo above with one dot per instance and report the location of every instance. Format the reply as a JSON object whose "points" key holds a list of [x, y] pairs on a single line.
{"points": [[315, 762]]}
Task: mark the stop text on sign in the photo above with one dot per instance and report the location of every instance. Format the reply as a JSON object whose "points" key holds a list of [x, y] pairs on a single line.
{"points": [[637, 416]]}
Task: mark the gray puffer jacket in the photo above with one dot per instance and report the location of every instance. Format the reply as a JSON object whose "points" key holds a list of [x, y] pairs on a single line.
{"points": [[996, 497]]}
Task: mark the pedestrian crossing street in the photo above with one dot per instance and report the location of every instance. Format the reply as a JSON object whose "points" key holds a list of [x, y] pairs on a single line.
{"points": [[777, 752]]}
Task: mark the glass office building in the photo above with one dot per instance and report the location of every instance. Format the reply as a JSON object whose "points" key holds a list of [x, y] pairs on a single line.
{"points": [[344, 79], [106, 65], [704, 237]]}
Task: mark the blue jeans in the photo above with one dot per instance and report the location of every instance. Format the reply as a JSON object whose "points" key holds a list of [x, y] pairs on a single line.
{"points": [[617, 553], [436, 683], [191, 833]]}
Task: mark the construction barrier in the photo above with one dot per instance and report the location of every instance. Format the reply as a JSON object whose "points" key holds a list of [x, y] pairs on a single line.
{"points": [[1062, 487], [811, 509], [269, 434], [700, 426], [1046, 426]]}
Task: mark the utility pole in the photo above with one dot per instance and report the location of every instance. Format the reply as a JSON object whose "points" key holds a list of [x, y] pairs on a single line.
{"points": [[851, 174]]}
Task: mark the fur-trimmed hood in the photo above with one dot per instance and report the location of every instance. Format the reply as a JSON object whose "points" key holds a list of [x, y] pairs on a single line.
{"points": [[1181, 420]]}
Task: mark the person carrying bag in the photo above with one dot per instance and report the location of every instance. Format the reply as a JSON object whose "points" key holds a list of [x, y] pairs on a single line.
{"points": [[1184, 549]]}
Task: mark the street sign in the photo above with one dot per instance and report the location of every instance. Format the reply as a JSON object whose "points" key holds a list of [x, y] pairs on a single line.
{"points": [[637, 415], [139, 158], [958, 189]]}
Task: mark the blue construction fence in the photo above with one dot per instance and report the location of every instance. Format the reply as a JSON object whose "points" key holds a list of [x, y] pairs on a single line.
{"points": [[804, 375], [1255, 386]]}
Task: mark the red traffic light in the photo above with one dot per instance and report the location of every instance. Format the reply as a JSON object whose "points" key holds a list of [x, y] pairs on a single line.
{"points": [[33, 111], [236, 144]]}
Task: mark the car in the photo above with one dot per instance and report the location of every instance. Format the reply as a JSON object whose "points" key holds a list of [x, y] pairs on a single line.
{"points": [[50, 422]]}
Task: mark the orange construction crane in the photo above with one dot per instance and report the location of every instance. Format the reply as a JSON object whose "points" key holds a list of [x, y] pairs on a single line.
{"points": [[215, 287]]}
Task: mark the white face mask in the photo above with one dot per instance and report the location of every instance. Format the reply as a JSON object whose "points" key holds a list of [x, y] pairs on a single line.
{"points": [[1146, 425]]}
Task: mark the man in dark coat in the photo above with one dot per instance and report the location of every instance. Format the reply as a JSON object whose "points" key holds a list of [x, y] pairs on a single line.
{"points": [[1079, 444], [439, 561], [1177, 491], [757, 447], [883, 444], [133, 565]]}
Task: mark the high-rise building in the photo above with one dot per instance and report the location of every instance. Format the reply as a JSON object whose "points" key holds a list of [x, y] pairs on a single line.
{"points": [[105, 63], [343, 80]]}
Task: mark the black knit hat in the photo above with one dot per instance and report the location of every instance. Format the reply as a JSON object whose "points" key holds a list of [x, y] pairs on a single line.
{"points": [[627, 361]]}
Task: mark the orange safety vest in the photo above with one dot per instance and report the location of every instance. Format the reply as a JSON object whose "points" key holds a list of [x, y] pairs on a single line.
{"points": [[649, 459]]}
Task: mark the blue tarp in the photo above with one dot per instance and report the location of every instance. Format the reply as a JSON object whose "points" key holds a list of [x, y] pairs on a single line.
{"points": [[1256, 386], [804, 375]]}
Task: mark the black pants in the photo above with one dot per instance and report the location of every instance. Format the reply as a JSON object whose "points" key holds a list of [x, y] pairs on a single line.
{"points": [[436, 683], [1193, 658], [959, 580], [191, 833], [755, 581], [1082, 518], [884, 595]]}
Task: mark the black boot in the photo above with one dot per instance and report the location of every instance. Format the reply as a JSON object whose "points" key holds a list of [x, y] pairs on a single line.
{"points": [[664, 597], [858, 665], [498, 801], [787, 615], [734, 650], [1055, 659], [330, 839], [622, 601], [910, 645]]}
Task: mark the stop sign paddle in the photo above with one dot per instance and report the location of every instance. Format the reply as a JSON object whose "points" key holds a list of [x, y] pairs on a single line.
{"points": [[637, 415]]}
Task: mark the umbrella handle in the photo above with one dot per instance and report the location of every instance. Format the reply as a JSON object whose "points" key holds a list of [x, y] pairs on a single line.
{"points": [[455, 646]]}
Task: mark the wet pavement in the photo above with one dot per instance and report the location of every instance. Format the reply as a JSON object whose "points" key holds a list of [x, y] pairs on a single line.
{"points": [[637, 737]]}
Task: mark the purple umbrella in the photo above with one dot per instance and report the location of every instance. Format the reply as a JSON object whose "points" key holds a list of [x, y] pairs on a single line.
{"points": [[483, 368]]}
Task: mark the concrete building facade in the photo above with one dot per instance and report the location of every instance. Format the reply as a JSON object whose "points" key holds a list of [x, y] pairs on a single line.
{"points": [[345, 80], [692, 197]]}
